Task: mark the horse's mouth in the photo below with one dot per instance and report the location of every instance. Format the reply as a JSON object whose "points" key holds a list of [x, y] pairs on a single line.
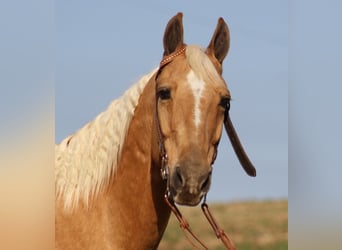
{"points": [[187, 199]]}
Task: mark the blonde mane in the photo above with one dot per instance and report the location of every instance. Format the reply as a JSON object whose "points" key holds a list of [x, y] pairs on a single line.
{"points": [[86, 160]]}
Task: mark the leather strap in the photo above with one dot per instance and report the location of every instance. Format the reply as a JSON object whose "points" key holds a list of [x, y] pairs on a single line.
{"points": [[183, 223], [238, 148], [170, 57], [220, 234]]}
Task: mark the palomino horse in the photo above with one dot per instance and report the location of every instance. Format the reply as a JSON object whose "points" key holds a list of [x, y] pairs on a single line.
{"points": [[109, 188]]}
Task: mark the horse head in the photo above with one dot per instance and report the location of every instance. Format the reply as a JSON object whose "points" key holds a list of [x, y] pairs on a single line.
{"points": [[192, 103]]}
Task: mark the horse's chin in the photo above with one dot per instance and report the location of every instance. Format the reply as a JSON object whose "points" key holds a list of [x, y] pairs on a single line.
{"points": [[194, 201]]}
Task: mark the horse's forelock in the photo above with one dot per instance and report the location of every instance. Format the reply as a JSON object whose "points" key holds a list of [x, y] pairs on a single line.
{"points": [[202, 66]]}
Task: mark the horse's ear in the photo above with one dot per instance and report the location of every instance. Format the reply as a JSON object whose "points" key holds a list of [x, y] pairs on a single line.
{"points": [[173, 35], [219, 44]]}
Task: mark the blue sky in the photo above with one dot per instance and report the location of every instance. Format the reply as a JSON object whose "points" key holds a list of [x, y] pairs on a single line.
{"points": [[103, 47]]}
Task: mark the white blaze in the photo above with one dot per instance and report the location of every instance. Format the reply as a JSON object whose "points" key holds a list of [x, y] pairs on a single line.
{"points": [[197, 86]]}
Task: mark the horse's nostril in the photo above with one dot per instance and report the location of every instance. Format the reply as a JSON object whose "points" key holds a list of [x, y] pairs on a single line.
{"points": [[206, 183], [179, 178]]}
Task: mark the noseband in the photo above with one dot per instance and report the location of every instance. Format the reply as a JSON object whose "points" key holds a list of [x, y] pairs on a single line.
{"points": [[165, 173]]}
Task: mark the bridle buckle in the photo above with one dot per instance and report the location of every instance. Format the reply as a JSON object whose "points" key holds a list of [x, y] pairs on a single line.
{"points": [[164, 170]]}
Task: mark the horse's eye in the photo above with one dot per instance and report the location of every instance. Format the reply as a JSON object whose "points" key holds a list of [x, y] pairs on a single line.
{"points": [[164, 94], [225, 102]]}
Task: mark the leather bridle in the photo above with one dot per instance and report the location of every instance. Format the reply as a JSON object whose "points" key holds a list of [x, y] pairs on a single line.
{"points": [[165, 174]]}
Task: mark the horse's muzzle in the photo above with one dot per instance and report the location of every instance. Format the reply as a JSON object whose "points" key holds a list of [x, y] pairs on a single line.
{"points": [[188, 187]]}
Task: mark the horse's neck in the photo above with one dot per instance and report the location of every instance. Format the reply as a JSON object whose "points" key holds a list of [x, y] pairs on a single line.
{"points": [[137, 189]]}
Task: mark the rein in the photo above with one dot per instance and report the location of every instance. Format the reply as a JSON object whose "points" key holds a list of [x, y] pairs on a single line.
{"points": [[242, 156]]}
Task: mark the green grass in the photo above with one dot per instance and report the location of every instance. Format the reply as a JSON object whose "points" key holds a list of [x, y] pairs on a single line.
{"points": [[251, 225]]}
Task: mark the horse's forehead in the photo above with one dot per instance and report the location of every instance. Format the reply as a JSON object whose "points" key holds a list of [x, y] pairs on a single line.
{"points": [[182, 73]]}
